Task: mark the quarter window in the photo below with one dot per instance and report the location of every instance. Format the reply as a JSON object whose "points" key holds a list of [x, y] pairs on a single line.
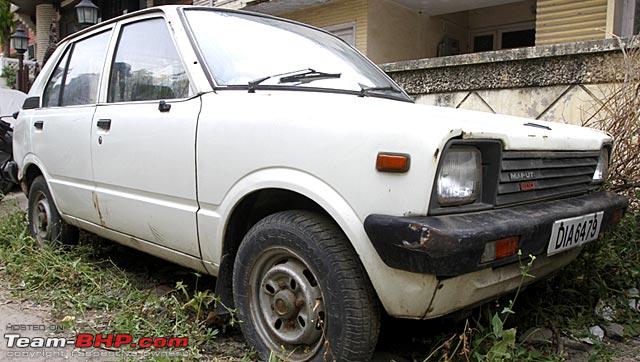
{"points": [[146, 65], [51, 97]]}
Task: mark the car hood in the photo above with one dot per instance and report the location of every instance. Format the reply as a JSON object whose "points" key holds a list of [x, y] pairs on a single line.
{"points": [[393, 119], [517, 133]]}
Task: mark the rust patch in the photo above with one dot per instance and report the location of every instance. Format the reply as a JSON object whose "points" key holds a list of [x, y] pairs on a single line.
{"points": [[425, 236], [134, 241], [96, 205]]}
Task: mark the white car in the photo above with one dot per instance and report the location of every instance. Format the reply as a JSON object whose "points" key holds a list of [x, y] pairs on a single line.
{"points": [[278, 158]]}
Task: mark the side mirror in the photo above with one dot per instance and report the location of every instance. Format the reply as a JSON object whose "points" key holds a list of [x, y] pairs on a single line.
{"points": [[15, 114], [31, 103]]}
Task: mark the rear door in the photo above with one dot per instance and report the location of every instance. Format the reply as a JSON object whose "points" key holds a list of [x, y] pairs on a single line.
{"points": [[143, 140], [61, 127]]}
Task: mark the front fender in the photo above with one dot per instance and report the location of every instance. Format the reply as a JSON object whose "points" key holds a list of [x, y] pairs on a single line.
{"points": [[403, 294]]}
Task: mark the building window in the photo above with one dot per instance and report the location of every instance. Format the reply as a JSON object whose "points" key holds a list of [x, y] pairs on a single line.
{"points": [[504, 38], [346, 32], [518, 39], [483, 43], [627, 18]]}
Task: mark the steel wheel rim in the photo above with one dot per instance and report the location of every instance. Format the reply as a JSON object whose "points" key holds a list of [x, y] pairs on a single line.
{"points": [[287, 306], [41, 218]]}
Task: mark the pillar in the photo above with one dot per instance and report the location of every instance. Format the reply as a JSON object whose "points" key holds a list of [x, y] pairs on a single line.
{"points": [[46, 14]]}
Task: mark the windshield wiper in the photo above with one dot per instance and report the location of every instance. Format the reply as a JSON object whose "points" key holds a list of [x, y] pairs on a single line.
{"points": [[309, 76], [365, 91], [302, 76]]}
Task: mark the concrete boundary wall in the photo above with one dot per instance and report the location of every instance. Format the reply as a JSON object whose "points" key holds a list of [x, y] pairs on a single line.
{"points": [[565, 83]]}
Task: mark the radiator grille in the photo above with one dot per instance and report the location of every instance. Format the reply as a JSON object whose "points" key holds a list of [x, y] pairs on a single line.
{"points": [[531, 176]]}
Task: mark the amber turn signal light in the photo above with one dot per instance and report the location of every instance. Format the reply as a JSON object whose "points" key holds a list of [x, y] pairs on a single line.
{"points": [[393, 162], [500, 249]]}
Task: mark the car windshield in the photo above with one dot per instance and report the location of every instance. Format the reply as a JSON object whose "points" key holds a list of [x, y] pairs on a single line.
{"points": [[255, 51]]}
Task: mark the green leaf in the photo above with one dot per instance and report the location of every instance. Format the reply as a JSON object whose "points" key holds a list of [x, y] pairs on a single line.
{"points": [[496, 324]]}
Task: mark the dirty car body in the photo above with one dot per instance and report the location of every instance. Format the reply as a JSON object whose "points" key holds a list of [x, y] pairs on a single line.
{"points": [[188, 146]]}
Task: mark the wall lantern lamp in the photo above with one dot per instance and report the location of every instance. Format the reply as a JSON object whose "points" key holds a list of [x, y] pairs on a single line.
{"points": [[20, 42], [87, 13]]}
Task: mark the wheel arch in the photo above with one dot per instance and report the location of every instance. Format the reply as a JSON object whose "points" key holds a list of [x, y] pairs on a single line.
{"points": [[271, 191], [31, 168]]}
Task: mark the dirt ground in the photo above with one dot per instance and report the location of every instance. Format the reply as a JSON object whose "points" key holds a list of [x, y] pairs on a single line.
{"points": [[399, 341]]}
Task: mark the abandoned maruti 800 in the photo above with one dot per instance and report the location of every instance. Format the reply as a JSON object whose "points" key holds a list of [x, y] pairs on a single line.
{"points": [[276, 157]]}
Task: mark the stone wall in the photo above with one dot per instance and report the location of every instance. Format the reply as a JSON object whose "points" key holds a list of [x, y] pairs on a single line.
{"points": [[565, 83]]}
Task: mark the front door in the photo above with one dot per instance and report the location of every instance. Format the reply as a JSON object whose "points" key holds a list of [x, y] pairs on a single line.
{"points": [[143, 141], [61, 128]]}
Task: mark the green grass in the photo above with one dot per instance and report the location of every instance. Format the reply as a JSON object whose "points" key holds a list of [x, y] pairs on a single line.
{"points": [[602, 274], [565, 303], [101, 287], [90, 292]]}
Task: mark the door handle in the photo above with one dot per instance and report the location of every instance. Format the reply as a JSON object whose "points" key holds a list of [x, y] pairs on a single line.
{"points": [[104, 124], [38, 124]]}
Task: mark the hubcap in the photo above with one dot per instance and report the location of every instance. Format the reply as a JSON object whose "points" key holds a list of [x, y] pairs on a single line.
{"points": [[41, 218], [287, 304]]}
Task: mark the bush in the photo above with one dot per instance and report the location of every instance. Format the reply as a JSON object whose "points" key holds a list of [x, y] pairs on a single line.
{"points": [[619, 115], [9, 74]]}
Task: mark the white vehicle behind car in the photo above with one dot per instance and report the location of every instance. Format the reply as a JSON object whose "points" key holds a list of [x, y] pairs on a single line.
{"points": [[276, 157]]}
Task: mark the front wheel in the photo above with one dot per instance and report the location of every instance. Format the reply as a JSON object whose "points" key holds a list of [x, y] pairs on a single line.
{"points": [[45, 222], [302, 292]]}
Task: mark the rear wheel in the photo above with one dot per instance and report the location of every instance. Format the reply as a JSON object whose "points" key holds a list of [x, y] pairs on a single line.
{"points": [[5, 188], [302, 293], [45, 222]]}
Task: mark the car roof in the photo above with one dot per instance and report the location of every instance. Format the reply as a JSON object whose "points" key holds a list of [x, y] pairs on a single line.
{"points": [[174, 9]]}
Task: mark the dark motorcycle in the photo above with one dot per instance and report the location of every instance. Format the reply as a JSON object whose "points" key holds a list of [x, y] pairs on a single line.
{"points": [[8, 167]]}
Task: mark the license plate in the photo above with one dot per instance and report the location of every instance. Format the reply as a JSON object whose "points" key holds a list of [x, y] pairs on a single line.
{"points": [[569, 233]]}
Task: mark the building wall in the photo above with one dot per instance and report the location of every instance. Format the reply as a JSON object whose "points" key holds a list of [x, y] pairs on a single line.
{"points": [[336, 13], [560, 21], [399, 33], [503, 15], [396, 33]]}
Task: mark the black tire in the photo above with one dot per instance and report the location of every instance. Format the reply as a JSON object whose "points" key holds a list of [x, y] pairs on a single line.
{"points": [[5, 187], [45, 223], [347, 315]]}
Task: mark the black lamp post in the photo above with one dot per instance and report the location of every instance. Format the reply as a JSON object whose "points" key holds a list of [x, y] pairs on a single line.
{"points": [[20, 42], [87, 13]]}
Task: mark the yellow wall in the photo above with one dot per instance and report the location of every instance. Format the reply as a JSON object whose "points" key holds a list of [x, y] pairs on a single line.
{"points": [[388, 32], [336, 13], [396, 32], [399, 33], [503, 15], [560, 21]]}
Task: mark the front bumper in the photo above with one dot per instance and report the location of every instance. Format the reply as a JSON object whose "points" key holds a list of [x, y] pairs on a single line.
{"points": [[452, 245]]}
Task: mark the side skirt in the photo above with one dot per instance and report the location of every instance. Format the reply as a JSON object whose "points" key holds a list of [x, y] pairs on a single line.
{"points": [[142, 245]]}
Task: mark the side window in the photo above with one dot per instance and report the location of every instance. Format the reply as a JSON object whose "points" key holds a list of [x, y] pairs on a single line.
{"points": [[146, 65], [83, 73], [51, 96], [75, 81]]}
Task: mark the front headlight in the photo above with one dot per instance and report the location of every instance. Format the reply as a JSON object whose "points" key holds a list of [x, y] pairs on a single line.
{"points": [[602, 169], [459, 177]]}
